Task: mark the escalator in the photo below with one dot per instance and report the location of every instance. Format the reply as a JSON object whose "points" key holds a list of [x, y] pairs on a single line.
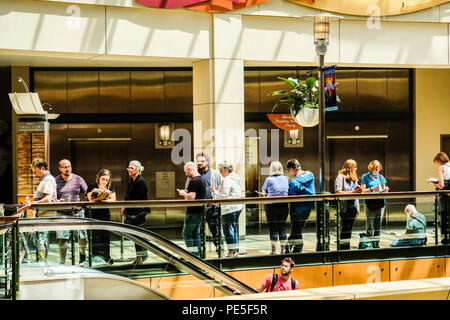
{"points": [[168, 269]]}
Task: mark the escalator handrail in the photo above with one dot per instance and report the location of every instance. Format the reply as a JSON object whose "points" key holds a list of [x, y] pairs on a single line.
{"points": [[71, 223]]}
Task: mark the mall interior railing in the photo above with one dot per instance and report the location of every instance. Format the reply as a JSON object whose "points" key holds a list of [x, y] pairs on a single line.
{"points": [[324, 225]]}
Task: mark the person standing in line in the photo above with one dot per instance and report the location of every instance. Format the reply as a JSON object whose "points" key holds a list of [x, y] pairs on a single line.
{"points": [[415, 232], [212, 179], [45, 192], [101, 238], [276, 185], [136, 190], [302, 183], [347, 182], [443, 183], [70, 187], [372, 182], [228, 189], [193, 219]]}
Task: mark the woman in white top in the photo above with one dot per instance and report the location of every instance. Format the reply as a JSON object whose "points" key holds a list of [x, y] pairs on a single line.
{"points": [[443, 183], [229, 188]]}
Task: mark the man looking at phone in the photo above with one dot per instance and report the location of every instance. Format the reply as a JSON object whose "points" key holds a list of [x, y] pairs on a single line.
{"points": [[196, 189]]}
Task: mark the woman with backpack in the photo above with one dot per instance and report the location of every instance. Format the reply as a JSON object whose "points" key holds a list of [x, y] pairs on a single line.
{"points": [[374, 182], [443, 183], [347, 182]]}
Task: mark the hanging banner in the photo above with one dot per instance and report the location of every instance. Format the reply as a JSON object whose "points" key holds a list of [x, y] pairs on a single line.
{"points": [[283, 121], [329, 77]]}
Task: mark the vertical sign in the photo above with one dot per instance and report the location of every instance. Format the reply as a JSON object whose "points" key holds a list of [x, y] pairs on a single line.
{"points": [[329, 76]]}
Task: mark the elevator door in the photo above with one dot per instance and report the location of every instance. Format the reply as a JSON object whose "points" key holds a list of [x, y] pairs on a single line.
{"points": [[361, 149], [89, 156]]}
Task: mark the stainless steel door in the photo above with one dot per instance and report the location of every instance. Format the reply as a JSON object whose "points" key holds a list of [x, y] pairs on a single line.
{"points": [[361, 149]]}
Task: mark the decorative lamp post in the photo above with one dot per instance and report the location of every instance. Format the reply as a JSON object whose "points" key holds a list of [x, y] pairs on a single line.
{"points": [[321, 30]]}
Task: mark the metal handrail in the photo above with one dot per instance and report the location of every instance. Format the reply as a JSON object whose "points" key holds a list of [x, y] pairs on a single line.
{"points": [[247, 200], [151, 241]]}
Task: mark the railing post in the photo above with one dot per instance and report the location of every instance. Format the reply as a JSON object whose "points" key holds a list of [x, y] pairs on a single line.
{"points": [[36, 238], [219, 216], [203, 233], [15, 263], [122, 219], [338, 230], [89, 240], [322, 226], [72, 242], [436, 222]]}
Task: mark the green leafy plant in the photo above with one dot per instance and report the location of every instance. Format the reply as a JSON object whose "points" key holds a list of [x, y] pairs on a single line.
{"points": [[302, 95]]}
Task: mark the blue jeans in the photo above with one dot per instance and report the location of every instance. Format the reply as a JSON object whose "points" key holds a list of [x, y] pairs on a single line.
{"points": [[230, 229], [408, 242], [276, 214], [191, 232], [298, 221]]}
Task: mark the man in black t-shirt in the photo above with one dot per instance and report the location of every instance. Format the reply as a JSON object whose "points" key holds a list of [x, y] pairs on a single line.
{"points": [[192, 221]]}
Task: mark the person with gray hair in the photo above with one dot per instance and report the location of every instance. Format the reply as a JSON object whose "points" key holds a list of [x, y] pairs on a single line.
{"points": [[276, 185], [229, 188], [136, 190], [415, 232]]}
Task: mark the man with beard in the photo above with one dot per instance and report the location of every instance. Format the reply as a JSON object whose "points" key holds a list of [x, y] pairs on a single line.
{"points": [[278, 282], [69, 187], [213, 180]]}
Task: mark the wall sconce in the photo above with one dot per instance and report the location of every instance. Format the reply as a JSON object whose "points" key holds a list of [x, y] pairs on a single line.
{"points": [[163, 132], [293, 138]]}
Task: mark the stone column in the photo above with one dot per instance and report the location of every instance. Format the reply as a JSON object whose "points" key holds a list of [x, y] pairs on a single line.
{"points": [[218, 94]]}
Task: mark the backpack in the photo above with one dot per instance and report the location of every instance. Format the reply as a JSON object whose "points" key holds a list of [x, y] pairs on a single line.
{"points": [[274, 282]]}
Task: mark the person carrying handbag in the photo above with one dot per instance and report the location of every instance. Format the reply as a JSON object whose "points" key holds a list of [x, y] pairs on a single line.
{"points": [[374, 182]]}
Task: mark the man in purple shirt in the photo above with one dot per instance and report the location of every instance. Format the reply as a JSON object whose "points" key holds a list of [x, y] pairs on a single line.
{"points": [[69, 187]]}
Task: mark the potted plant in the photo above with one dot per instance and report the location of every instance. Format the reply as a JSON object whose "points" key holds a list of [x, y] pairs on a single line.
{"points": [[303, 100]]}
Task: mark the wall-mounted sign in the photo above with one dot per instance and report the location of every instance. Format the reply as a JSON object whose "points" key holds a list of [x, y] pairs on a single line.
{"points": [[32, 126], [283, 121]]}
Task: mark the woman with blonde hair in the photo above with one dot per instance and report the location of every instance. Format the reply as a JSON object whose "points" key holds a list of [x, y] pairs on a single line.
{"points": [[101, 238], [347, 182], [443, 183], [276, 185], [373, 182]]}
